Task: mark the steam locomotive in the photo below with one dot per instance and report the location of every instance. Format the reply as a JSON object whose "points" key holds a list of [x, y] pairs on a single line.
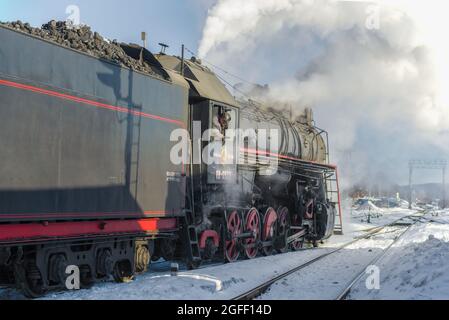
{"points": [[87, 177]]}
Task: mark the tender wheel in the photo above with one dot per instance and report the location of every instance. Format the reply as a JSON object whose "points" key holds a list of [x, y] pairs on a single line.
{"points": [[252, 224], [122, 272], [86, 278], [283, 230], [269, 231], [57, 267], [142, 258], [105, 263], [233, 229], [29, 280]]}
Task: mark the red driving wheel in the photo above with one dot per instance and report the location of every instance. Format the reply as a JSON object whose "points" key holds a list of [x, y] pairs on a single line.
{"points": [[252, 225], [234, 228], [269, 231], [283, 228]]}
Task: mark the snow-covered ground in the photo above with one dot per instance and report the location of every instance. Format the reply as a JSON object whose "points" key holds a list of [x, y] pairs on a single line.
{"points": [[422, 258], [218, 282], [327, 278], [416, 267], [357, 220]]}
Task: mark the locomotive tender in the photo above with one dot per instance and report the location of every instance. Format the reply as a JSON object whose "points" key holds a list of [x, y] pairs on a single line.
{"points": [[86, 177]]}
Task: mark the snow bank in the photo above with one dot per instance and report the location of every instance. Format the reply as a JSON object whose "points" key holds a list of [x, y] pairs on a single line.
{"points": [[416, 267]]}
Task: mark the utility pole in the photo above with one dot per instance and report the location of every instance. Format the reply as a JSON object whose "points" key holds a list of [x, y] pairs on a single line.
{"points": [[443, 205], [428, 164], [144, 39], [410, 186], [182, 60], [164, 47]]}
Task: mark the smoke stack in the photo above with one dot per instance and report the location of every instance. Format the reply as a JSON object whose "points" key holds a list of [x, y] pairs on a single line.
{"points": [[306, 117]]}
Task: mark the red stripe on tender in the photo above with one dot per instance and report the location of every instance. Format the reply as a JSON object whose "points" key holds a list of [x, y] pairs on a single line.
{"points": [[82, 214], [276, 155], [92, 103], [35, 231], [88, 102]]}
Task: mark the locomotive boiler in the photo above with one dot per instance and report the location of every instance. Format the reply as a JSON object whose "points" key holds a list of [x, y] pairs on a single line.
{"points": [[87, 178]]}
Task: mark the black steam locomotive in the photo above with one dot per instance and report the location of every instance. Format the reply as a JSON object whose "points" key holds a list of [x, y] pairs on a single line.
{"points": [[88, 180]]}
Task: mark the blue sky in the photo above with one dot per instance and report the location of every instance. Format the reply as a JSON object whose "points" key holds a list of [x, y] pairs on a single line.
{"points": [[170, 21]]}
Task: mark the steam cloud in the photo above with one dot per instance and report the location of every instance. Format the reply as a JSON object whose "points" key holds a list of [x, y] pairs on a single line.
{"points": [[374, 90]]}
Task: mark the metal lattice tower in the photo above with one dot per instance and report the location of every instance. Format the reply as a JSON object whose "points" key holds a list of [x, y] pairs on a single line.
{"points": [[428, 164]]}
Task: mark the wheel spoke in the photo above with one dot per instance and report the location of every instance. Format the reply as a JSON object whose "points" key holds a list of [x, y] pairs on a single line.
{"points": [[283, 230], [252, 225], [234, 227], [271, 220]]}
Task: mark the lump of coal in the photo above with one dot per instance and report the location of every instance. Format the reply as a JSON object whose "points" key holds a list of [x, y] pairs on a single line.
{"points": [[83, 39]]}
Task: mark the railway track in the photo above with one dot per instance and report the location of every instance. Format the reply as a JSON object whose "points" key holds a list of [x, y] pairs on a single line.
{"points": [[347, 290], [405, 222]]}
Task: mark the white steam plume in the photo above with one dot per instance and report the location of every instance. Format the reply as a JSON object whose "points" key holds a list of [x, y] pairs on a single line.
{"points": [[375, 88]]}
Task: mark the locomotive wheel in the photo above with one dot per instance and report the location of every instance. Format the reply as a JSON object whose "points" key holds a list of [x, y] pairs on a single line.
{"points": [[269, 231], [283, 229], [122, 272], [233, 228], [29, 280], [252, 224], [210, 250]]}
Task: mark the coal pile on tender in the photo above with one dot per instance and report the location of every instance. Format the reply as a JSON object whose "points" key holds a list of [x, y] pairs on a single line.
{"points": [[83, 39]]}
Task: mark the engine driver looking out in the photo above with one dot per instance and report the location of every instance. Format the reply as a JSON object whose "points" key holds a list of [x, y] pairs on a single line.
{"points": [[220, 122]]}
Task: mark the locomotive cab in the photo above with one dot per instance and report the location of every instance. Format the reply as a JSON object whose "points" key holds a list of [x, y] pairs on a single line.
{"points": [[260, 180], [221, 152]]}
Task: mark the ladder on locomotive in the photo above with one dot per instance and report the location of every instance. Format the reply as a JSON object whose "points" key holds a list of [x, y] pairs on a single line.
{"points": [[333, 194], [136, 130], [190, 239]]}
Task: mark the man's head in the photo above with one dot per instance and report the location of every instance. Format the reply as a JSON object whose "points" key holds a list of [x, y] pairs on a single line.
{"points": [[224, 118]]}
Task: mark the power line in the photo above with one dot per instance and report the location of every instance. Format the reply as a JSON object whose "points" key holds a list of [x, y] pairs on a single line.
{"points": [[233, 86], [222, 69]]}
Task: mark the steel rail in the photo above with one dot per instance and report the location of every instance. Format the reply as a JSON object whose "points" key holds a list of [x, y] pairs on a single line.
{"points": [[345, 293], [257, 291]]}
